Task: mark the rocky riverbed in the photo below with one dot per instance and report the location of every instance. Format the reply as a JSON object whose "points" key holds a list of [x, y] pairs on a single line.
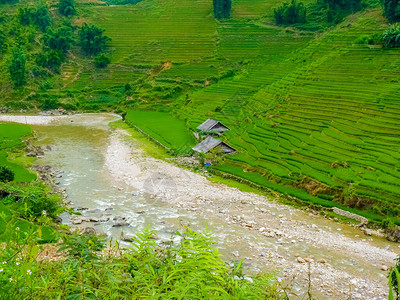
{"points": [[274, 226], [118, 188]]}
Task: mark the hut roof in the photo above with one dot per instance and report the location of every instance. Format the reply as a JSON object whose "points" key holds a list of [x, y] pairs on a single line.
{"points": [[211, 124], [210, 143]]}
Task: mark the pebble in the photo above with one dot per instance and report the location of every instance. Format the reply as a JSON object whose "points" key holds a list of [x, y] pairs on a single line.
{"points": [[300, 260], [235, 253], [384, 268]]}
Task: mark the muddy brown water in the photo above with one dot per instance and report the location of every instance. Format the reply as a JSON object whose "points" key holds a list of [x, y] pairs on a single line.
{"points": [[81, 142]]}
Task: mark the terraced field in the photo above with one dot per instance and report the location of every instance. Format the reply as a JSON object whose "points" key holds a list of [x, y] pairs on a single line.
{"points": [[314, 115], [331, 118]]}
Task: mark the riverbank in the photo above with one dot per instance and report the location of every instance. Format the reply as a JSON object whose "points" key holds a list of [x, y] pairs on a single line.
{"points": [[269, 221], [267, 235]]}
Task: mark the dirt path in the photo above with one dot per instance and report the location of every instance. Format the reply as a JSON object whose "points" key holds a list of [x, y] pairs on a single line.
{"points": [[285, 237]]}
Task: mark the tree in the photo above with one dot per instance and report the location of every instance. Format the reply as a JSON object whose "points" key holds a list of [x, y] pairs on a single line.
{"points": [[391, 10], [17, 67], [102, 61], [67, 7], [59, 39], [290, 13], [51, 59], [25, 15], [42, 17], [3, 40], [6, 174], [92, 39], [222, 8]]}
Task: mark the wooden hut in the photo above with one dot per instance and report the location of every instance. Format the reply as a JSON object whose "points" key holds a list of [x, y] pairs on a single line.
{"points": [[213, 125], [211, 143]]}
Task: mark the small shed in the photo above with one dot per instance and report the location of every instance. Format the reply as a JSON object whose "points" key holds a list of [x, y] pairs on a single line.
{"points": [[211, 143], [213, 125]]}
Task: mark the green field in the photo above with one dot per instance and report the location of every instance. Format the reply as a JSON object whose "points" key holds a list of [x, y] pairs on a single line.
{"points": [[10, 136], [301, 108], [169, 131], [310, 112]]}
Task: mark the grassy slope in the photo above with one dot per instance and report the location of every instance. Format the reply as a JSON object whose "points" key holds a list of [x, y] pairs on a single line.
{"points": [[298, 104], [169, 131], [330, 101], [10, 137]]}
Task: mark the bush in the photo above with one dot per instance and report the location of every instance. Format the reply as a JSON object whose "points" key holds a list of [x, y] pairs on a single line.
{"points": [[290, 13], [6, 174], [391, 37], [50, 104], [31, 202], [102, 61], [364, 40]]}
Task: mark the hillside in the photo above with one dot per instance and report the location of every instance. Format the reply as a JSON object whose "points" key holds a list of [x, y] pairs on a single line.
{"points": [[313, 115]]}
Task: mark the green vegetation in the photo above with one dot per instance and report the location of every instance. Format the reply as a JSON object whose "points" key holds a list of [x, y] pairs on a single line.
{"points": [[67, 7], [290, 13], [169, 131], [92, 39], [391, 9], [191, 269], [222, 8], [391, 36], [11, 135], [29, 231], [6, 174], [17, 67], [291, 96]]}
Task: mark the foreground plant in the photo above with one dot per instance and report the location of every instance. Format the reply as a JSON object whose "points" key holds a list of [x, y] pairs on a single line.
{"points": [[192, 269]]}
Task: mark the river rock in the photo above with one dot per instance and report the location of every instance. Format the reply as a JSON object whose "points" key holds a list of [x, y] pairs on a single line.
{"points": [[300, 260], [91, 211], [93, 219], [321, 261], [393, 234], [120, 223], [51, 147], [77, 221], [88, 230], [109, 209], [235, 253], [82, 208], [140, 212], [104, 218], [127, 239], [384, 268]]}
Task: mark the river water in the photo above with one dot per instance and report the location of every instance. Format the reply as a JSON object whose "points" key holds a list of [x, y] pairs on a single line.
{"points": [[81, 143]]}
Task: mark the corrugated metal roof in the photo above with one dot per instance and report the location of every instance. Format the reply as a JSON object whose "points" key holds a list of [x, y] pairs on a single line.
{"points": [[206, 145], [207, 125]]}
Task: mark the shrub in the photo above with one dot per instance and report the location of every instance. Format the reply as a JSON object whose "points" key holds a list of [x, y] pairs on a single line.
{"points": [[290, 13], [6, 174], [391, 37], [102, 61], [364, 40], [31, 202], [50, 104]]}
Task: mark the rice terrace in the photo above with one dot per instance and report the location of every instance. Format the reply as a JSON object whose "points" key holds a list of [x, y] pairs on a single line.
{"points": [[199, 149]]}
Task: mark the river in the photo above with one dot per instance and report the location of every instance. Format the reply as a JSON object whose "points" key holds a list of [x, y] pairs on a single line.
{"points": [[113, 179]]}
